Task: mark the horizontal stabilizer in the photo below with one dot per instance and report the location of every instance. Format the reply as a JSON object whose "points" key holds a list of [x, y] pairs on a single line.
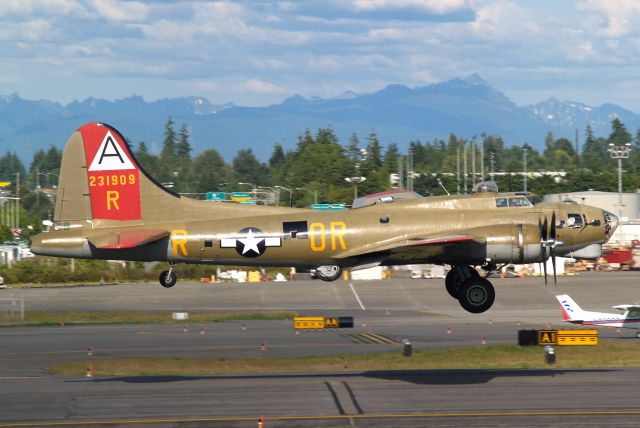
{"points": [[119, 240]]}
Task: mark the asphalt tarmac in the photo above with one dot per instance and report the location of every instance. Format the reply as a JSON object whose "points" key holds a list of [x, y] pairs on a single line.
{"points": [[387, 311]]}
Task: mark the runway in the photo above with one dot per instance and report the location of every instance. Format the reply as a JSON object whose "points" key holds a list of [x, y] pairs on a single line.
{"points": [[417, 310]]}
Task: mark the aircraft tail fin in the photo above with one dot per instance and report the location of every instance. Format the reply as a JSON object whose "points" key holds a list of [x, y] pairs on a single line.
{"points": [[571, 311], [101, 180]]}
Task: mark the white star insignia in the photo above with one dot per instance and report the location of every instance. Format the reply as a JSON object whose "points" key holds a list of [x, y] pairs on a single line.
{"points": [[250, 242]]}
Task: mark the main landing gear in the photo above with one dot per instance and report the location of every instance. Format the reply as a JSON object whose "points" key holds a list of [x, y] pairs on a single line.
{"points": [[329, 272], [167, 278], [475, 294]]}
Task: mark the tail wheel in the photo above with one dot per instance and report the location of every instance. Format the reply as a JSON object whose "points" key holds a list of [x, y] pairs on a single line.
{"points": [[329, 272], [476, 295], [168, 279], [456, 276]]}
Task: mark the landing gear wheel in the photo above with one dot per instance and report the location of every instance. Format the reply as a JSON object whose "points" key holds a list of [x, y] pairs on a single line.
{"points": [[456, 276], [168, 279], [638, 335], [476, 295], [329, 272]]}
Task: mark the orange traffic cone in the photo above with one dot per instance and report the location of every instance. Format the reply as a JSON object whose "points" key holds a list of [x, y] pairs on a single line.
{"points": [[261, 422], [263, 347], [201, 328], [90, 370], [448, 329], [483, 340]]}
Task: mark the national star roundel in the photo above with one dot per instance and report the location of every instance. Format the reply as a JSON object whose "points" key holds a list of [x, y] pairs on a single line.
{"points": [[250, 242], [251, 245]]}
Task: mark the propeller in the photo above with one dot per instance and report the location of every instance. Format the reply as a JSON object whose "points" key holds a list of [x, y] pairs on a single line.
{"points": [[549, 238], [543, 244], [553, 246]]}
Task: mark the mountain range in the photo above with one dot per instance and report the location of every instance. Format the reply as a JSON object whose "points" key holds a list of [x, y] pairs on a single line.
{"points": [[397, 113]]}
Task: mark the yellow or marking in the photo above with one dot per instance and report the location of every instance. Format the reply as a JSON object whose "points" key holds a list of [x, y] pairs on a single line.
{"points": [[329, 417], [178, 242], [112, 197], [337, 233], [547, 337], [316, 232], [318, 240]]}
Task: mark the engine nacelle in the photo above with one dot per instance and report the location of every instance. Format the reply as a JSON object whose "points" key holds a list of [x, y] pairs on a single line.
{"points": [[514, 243]]}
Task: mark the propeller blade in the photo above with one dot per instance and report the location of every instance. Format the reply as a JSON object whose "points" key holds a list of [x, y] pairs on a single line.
{"points": [[553, 246], [544, 265], [553, 263], [545, 230]]}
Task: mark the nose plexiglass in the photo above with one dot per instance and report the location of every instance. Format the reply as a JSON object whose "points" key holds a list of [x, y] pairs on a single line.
{"points": [[610, 223]]}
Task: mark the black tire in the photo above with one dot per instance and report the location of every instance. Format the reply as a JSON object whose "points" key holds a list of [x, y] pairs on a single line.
{"points": [[453, 282], [329, 273], [166, 280], [476, 295], [638, 335]]}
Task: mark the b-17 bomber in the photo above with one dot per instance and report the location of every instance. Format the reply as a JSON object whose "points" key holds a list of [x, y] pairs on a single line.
{"points": [[108, 207]]}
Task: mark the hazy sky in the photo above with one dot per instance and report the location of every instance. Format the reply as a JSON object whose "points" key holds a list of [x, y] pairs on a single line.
{"points": [[259, 52]]}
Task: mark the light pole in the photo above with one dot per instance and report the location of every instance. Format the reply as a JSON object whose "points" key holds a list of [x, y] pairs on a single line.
{"points": [[524, 155], [493, 161], [355, 181], [313, 192], [619, 152], [253, 188], [290, 193]]}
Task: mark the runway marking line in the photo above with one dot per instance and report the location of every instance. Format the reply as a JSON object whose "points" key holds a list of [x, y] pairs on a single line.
{"points": [[372, 339], [357, 297], [334, 417]]}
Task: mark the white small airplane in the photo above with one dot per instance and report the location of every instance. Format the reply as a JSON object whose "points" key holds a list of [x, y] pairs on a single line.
{"points": [[571, 312]]}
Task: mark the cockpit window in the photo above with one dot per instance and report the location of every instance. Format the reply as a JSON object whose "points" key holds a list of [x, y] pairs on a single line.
{"points": [[519, 201], [634, 312], [534, 199], [574, 221], [514, 201]]}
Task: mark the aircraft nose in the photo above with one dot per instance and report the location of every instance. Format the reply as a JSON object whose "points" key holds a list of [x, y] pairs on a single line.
{"points": [[610, 223]]}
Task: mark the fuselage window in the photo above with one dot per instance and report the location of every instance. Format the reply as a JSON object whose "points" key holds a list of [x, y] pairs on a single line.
{"points": [[518, 202], [574, 220], [501, 202]]}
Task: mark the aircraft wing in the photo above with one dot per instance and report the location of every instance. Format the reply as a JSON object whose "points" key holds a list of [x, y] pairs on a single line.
{"points": [[123, 239], [414, 247], [626, 307]]}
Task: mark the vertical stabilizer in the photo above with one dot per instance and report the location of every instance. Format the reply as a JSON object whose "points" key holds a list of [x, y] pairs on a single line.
{"points": [[101, 180], [571, 311]]}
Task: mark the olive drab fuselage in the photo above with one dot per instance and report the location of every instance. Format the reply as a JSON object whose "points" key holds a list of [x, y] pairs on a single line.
{"points": [[108, 207]]}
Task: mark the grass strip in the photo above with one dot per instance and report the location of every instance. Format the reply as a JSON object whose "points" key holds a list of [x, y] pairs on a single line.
{"points": [[607, 354], [36, 318]]}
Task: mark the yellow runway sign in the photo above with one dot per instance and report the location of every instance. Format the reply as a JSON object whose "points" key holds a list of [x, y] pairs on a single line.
{"points": [[322, 322], [568, 337]]}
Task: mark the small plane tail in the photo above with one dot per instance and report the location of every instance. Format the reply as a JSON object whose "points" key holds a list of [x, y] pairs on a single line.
{"points": [[571, 311], [100, 180]]}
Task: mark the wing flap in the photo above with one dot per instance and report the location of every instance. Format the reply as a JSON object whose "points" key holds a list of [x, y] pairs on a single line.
{"points": [[410, 246], [123, 239]]}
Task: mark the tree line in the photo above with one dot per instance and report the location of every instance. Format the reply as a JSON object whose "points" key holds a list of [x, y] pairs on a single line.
{"points": [[319, 163]]}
